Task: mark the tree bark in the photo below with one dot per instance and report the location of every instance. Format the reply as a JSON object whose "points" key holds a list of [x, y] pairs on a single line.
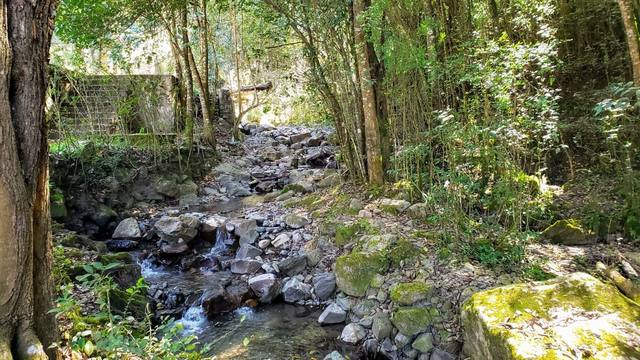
{"points": [[628, 17], [26, 326], [371, 124], [236, 56], [188, 77]]}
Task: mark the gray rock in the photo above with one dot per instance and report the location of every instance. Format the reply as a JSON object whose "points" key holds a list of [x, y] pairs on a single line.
{"points": [[282, 241], [401, 340], [103, 215], [121, 245], [324, 285], [295, 290], [247, 231], [353, 334], [330, 181], [179, 248], [211, 226], [418, 211], [356, 205], [127, 229], [247, 251], [215, 301], [423, 343], [172, 229], [295, 221], [265, 286], [371, 348], [297, 138], [438, 354], [245, 266], [394, 206], [364, 307], [293, 265], [334, 356], [263, 244], [333, 314], [381, 327]]}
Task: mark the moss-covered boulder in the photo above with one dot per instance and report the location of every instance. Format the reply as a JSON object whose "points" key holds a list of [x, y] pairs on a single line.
{"points": [[575, 314], [403, 252], [412, 320], [409, 293], [568, 232], [355, 272]]}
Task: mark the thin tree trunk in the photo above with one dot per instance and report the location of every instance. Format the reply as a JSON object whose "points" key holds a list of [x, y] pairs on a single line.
{"points": [[188, 76], [208, 107], [626, 9], [371, 125], [26, 291], [236, 55]]}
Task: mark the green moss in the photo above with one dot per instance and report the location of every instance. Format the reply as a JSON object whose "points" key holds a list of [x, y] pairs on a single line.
{"points": [[413, 320], [596, 319], [568, 232], [345, 234], [121, 257], [403, 251], [355, 272], [297, 188], [409, 293]]}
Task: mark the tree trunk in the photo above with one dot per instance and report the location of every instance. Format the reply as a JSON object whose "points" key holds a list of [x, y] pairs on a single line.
{"points": [[628, 17], [236, 56], [371, 125], [26, 326], [208, 108], [188, 77]]}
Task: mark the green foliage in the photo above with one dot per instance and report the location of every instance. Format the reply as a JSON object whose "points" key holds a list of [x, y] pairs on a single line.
{"points": [[111, 334], [536, 273]]}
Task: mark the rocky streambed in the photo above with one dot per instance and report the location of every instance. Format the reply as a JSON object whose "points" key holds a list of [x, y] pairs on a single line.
{"points": [[272, 256]]}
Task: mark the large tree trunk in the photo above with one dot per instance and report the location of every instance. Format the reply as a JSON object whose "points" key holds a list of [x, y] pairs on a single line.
{"points": [[371, 125], [628, 17], [26, 326], [188, 77]]}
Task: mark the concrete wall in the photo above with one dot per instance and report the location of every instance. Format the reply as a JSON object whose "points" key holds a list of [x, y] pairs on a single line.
{"points": [[118, 104]]}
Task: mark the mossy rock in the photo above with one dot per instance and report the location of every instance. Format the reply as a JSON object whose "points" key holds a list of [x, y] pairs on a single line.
{"points": [[580, 314], [568, 232], [57, 206], [296, 188], [409, 293], [345, 234], [121, 257], [413, 320], [404, 251], [355, 272], [128, 304]]}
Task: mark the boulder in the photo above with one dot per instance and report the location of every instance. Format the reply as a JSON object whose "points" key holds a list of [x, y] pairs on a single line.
{"points": [[418, 211], [330, 180], [171, 229], [247, 251], [334, 356], [246, 231], [179, 248], [121, 245], [103, 216], [282, 241], [296, 221], [409, 293], [413, 320], [394, 206], [211, 226], [324, 285], [297, 138], [295, 290], [381, 327], [238, 293], [215, 302], [423, 343], [265, 286], [293, 265], [245, 266], [575, 314], [127, 229], [354, 272], [439, 354], [353, 334], [333, 314], [568, 232]]}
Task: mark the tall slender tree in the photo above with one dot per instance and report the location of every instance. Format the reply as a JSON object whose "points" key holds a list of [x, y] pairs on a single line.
{"points": [[373, 146], [26, 326], [631, 30]]}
